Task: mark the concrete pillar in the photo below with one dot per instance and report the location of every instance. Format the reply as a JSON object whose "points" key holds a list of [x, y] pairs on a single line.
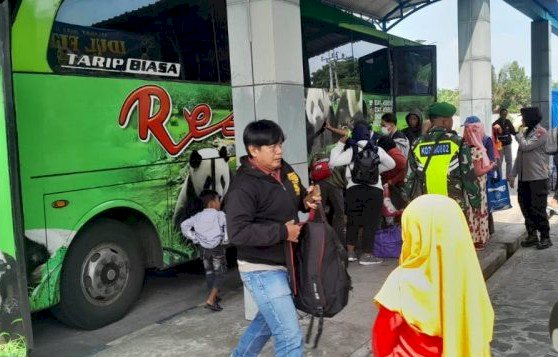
{"points": [[265, 44], [475, 68], [541, 74]]}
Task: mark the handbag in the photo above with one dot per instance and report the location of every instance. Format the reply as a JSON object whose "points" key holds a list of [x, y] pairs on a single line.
{"points": [[498, 195], [388, 241], [320, 170]]}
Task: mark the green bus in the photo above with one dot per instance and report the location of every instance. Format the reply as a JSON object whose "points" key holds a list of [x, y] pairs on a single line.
{"points": [[124, 115]]}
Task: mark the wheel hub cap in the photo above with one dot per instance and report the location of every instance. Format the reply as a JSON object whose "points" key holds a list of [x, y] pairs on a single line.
{"points": [[105, 274]]}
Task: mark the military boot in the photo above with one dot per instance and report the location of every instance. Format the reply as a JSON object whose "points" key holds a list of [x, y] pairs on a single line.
{"points": [[531, 240], [544, 243]]}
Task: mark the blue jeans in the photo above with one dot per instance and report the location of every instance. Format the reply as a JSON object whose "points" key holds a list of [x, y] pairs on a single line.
{"points": [[276, 316]]}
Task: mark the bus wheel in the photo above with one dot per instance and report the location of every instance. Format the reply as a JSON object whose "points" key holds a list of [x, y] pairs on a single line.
{"points": [[102, 276]]}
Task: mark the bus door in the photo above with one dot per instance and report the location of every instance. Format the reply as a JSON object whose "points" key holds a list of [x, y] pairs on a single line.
{"points": [[15, 321]]}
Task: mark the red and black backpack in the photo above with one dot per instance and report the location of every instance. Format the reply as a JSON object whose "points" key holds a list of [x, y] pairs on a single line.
{"points": [[318, 272]]}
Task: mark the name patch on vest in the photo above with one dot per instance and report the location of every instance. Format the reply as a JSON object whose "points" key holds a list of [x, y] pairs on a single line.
{"points": [[441, 149]]}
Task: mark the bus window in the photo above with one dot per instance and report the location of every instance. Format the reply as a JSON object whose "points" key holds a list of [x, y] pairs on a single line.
{"points": [[181, 40], [332, 78], [331, 56]]}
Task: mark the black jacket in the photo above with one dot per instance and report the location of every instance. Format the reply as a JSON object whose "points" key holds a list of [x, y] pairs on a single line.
{"points": [[257, 207], [507, 131], [413, 133]]}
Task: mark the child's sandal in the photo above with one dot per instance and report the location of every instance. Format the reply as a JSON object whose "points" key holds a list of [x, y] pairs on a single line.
{"points": [[213, 307]]}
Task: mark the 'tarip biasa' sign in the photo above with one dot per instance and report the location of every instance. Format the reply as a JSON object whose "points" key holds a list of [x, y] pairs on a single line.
{"points": [[128, 65]]}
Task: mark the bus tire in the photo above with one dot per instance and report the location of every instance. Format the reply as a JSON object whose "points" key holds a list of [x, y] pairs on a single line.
{"points": [[102, 276]]}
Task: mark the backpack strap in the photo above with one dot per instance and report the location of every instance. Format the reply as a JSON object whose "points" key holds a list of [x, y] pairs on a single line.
{"points": [[320, 330], [355, 148], [310, 327], [320, 316], [369, 143]]}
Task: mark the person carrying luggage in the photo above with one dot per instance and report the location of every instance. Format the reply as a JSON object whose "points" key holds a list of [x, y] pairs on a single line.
{"points": [[262, 206]]}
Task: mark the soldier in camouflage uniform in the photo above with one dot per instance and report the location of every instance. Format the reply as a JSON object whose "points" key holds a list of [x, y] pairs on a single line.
{"points": [[450, 171]]}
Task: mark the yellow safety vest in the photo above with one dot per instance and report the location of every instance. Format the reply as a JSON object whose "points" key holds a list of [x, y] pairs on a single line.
{"points": [[437, 171]]}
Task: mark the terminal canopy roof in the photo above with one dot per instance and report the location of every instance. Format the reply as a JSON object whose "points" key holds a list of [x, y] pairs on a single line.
{"points": [[384, 13], [538, 10], [317, 14]]}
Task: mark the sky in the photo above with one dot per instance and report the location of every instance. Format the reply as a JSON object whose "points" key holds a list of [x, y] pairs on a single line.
{"points": [[510, 38]]}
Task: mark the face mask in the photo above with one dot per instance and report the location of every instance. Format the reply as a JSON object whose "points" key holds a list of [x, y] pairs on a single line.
{"points": [[385, 130]]}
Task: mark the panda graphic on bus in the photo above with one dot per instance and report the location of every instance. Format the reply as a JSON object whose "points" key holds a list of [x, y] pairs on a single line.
{"points": [[205, 156]]}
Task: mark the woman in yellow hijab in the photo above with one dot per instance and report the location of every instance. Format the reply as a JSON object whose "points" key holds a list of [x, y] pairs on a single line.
{"points": [[435, 303]]}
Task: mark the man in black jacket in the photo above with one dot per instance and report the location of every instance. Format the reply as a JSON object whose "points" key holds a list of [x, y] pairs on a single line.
{"points": [[262, 207], [505, 131]]}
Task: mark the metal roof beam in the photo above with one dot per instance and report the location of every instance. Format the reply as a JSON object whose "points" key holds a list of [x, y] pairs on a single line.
{"points": [[536, 11], [402, 5], [398, 10], [414, 7]]}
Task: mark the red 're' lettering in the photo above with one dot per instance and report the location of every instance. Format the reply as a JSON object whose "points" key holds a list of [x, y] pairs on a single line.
{"points": [[198, 120]]}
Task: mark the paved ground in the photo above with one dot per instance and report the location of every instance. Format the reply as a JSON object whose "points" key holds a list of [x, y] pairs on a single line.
{"points": [[199, 332], [165, 294], [170, 321], [523, 292]]}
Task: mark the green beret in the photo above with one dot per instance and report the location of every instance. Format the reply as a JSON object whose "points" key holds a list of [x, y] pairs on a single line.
{"points": [[441, 109]]}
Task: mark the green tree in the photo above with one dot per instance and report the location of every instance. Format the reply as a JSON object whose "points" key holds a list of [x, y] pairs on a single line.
{"points": [[555, 85], [347, 74], [494, 79], [512, 88], [449, 95]]}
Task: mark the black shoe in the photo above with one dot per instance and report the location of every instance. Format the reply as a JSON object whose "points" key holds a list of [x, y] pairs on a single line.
{"points": [[544, 243], [531, 241], [218, 299], [213, 307]]}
